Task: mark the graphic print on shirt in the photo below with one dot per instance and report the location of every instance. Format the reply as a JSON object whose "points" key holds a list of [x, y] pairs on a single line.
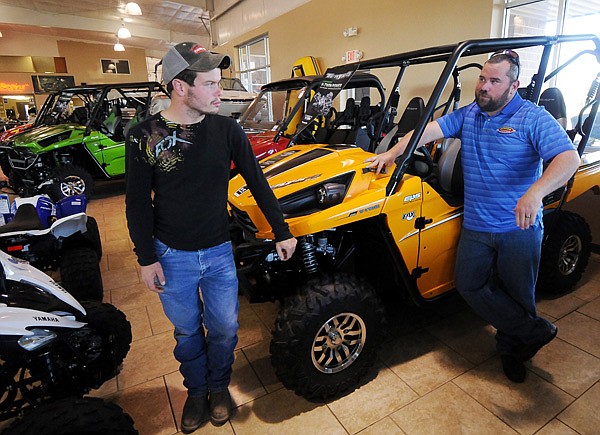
{"points": [[165, 147], [167, 151]]}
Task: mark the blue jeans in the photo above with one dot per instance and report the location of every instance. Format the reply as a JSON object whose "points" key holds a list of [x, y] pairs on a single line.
{"points": [[205, 360], [496, 274]]}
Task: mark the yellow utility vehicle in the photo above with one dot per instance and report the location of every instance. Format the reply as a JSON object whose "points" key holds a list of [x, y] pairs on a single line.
{"points": [[364, 237]]}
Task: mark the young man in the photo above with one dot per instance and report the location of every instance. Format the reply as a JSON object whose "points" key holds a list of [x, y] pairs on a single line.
{"points": [[504, 141], [177, 178]]}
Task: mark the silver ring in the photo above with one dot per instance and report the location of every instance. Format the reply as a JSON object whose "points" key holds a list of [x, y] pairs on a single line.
{"points": [[527, 216]]}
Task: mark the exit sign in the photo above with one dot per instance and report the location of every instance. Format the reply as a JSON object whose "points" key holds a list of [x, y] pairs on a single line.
{"points": [[353, 56]]}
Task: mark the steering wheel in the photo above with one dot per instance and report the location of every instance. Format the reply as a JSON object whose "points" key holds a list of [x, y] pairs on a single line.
{"points": [[422, 162], [306, 136], [331, 116]]}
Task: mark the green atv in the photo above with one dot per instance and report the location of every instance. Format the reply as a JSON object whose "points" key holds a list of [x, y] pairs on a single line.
{"points": [[79, 137]]}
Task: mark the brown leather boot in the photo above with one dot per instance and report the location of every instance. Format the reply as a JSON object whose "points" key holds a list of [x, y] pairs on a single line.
{"points": [[195, 413], [220, 407]]}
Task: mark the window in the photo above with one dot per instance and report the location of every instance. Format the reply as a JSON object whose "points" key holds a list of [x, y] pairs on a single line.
{"points": [[554, 17], [255, 65], [115, 66]]}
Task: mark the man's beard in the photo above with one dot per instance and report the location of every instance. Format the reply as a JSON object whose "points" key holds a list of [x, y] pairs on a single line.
{"points": [[195, 106], [492, 105]]}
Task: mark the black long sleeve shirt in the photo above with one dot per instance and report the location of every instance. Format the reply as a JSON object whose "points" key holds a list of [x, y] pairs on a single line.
{"points": [[187, 168]]}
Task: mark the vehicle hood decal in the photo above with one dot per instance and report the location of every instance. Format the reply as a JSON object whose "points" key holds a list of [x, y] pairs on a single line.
{"points": [[291, 159], [294, 162], [40, 133]]}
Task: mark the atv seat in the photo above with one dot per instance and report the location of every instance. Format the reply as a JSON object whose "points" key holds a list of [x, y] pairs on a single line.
{"points": [[26, 218], [140, 114], [113, 122], [408, 121], [365, 111], [524, 93], [552, 100], [324, 128], [449, 169], [79, 115], [585, 124], [347, 117], [343, 128]]}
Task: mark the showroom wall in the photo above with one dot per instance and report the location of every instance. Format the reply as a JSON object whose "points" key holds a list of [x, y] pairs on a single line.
{"points": [[83, 62], [21, 59], [384, 27], [315, 28], [15, 44]]}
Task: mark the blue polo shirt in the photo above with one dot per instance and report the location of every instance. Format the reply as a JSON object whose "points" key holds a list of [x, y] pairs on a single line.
{"points": [[502, 157]]}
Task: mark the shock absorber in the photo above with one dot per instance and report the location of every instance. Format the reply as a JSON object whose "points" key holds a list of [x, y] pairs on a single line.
{"points": [[47, 365], [309, 256]]}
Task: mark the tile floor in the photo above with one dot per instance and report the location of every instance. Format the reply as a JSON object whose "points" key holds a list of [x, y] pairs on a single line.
{"points": [[437, 372]]}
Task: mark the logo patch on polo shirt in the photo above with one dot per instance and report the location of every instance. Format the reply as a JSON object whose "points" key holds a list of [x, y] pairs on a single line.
{"points": [[506, 130]]}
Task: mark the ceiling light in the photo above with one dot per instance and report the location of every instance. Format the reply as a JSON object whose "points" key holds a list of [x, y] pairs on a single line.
{"points": [[118, 46], [1, 35], [132, 8], [123, 32]]}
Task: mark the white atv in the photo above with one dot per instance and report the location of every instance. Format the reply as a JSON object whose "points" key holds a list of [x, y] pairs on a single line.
{"points": [[54, 348]]}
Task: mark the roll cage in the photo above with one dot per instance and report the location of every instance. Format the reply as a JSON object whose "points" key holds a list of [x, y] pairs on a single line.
{"points": [[135, 95], [452, 54], [306, 84], [95, 99]]}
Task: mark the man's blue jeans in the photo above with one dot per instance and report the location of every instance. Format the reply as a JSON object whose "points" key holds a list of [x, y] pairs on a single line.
{"points": [[496, 274], [205, 360]]}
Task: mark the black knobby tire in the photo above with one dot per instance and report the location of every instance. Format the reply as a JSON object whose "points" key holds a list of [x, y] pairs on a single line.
{"points": [[71, 180], [80, 273], [93, 234], [74, 416], [565, 252], [332, 314], [115, 330]]}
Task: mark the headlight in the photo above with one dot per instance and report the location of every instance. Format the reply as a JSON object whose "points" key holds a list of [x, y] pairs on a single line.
{"points": [[331, 193], [317, 197], [40, 338], [22, 153], [22, 158]]}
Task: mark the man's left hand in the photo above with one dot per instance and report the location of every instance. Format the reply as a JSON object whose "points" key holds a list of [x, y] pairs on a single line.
{"points": [[285, 248], [527, 209]]}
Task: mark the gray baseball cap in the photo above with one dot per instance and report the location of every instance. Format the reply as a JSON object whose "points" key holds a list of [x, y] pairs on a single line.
{"points": [[189, 55]]}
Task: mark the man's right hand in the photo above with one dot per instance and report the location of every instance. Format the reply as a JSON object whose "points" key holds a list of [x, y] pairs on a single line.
{"points": [[432, 132], [285, 248], [381, 161], [153, 277]]}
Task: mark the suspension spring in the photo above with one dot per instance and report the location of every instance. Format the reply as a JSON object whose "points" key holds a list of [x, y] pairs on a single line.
{"points": [[309, 255]]}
